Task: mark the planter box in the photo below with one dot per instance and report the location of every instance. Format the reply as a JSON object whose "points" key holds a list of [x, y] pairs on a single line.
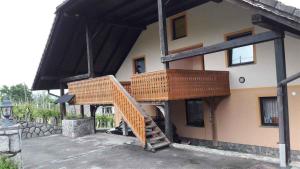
{"points": [[78, 127]]}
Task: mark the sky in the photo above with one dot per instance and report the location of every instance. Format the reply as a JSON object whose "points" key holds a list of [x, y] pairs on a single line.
{"points": [[24, 29]]}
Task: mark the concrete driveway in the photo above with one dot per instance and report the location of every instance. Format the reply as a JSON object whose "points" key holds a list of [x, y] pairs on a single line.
{"points": [[103, 151]]}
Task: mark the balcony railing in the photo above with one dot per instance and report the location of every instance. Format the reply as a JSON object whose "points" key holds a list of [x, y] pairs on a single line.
{"points": [[176, 84]]}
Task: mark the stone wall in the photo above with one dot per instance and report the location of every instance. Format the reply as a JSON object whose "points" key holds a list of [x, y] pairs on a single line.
{"points": [[32, 129], [244, 148], [10, 143], [78, 127]]}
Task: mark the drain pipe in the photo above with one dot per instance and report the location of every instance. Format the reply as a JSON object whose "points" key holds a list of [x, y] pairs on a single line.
{"points": [[51, 94]]}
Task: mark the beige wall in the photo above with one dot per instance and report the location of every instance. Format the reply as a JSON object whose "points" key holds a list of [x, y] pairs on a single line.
{"points": [[209, 27], [238, 118], [239, 121], [178, 110]]}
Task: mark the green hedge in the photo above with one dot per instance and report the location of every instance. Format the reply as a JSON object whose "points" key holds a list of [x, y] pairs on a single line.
{"points": [[105, 121], [29, 112], [6, 163]]}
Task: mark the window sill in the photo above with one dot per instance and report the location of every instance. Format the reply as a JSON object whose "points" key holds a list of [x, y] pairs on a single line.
{"points": [[268, 126], [242, 64]]}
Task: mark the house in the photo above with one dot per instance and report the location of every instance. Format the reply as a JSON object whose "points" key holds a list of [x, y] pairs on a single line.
{"points": [[215, 71]]}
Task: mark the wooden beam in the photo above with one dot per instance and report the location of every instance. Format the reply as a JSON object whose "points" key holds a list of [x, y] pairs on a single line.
{"points": [[244, 41], [163, 30], [89, 51], [289, 79], [75, 78], [217, 1], [265, 12], [282, 95], [271, 24]]}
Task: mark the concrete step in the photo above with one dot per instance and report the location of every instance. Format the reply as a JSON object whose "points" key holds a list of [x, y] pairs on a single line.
{"points": [[160, 145]]}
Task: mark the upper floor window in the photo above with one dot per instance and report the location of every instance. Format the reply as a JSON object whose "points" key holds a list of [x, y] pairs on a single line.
{"points": [[195, 113], [269, 111], [179, 29], [139, 65], [242, 55]]}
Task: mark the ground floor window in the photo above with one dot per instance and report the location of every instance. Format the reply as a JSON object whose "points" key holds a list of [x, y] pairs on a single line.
{"points": [[269, 111], [195, 113]]}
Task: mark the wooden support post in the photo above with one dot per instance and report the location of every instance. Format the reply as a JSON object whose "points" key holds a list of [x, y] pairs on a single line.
{"points": [[213, 106], [63, 112], [164, 52], [282, 95], [82, 111], [90, 56], [168, 122], [163, 30], [124, 128], [93, 110]]}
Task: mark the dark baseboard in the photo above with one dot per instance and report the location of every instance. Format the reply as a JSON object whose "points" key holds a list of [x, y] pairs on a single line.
{"points": [[244, 148]]}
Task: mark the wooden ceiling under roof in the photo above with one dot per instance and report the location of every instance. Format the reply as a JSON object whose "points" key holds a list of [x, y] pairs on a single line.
{"points": [[115, 26]]}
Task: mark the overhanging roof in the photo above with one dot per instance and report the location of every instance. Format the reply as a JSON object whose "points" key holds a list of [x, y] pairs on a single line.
{"points": [[116, 25]]}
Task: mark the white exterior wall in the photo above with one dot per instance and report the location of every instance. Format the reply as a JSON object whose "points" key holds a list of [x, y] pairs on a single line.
{"points": [[207, 24]]}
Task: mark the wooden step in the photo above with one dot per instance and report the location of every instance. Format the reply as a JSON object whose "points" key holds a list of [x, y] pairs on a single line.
{"points": [[151, 126], [160, 145], [154, 139], [148, 120], [152, 132]]}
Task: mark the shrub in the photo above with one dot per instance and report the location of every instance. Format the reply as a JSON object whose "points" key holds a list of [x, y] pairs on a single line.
{"points": [[104, 121], [6, 163], [73, 117]]}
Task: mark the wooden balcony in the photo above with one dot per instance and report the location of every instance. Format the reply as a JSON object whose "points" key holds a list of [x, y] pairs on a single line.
{"points": [[176, 84]]}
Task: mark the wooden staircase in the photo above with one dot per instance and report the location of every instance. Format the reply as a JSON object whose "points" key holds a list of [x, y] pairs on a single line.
{"points": [[108, 90], [156, 139]]}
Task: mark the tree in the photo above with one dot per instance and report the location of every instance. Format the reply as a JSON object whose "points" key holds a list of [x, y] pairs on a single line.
{"points": [[18, 93]]}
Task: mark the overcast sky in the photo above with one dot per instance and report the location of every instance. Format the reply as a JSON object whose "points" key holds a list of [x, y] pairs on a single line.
{"points": [[25, 26]]}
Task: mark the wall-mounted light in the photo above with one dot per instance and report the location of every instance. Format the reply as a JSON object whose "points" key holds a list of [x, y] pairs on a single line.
{"points": [[242, 80]]}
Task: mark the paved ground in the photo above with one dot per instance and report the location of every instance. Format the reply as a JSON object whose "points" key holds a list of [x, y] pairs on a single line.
{"points": [[103, 151]]}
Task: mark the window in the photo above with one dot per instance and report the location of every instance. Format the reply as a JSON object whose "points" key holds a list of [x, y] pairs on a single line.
{"points": [[179, 27], [269, 111], [139, 65], [195, 113], [242, 55]]}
